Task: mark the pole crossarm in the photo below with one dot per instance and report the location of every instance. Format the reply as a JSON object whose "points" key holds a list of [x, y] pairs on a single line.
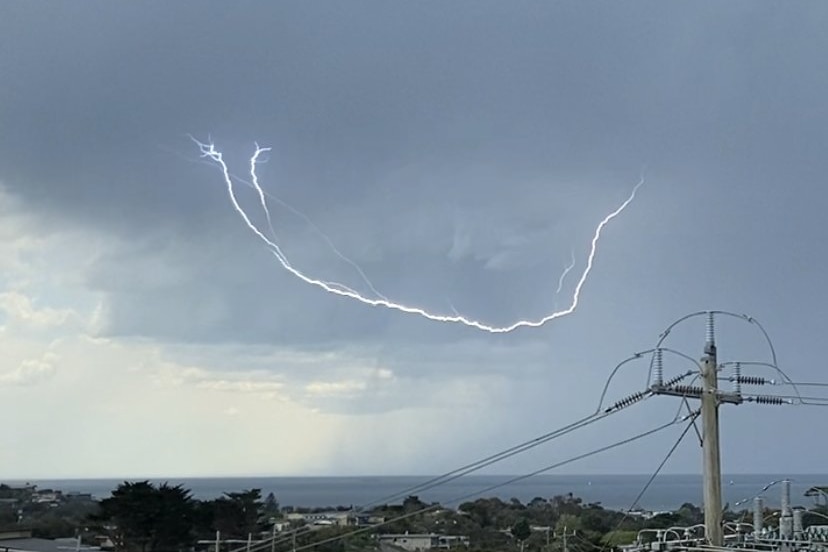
{"points": [[695, 392]]}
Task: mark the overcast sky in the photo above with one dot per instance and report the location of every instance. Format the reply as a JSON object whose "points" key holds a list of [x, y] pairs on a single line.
{"points": [[460, 153]]}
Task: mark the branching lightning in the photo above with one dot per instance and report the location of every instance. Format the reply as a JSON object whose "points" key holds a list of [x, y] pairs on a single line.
{"points": [[566, 271], [264, 196], [209, 151]]}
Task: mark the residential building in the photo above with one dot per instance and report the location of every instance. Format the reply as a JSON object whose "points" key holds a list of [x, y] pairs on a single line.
{"points": [[413, 542]]}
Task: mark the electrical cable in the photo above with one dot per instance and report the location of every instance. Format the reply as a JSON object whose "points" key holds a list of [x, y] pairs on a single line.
{"points": [[522, 447], [785, 377], [804, 400], [761, 491], [598, 415], [792, 400], [743, 317], [649, 482], [489, 460], [550, 467], [663, 462], [672, 422], [474, 466], [526, 445], [809, 384], [671, 351]]}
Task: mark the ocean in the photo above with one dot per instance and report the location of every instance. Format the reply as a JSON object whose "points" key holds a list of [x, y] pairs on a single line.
{"points": [[667, 492]]}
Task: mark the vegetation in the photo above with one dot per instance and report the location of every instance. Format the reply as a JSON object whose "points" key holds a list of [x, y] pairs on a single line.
{"points": [[46, 513], [140, 517], [144, 517]]}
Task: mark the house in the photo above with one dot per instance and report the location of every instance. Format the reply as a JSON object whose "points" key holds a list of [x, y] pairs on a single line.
{"points": [[29, 544], [410, 542], [336, 517], [366, 520], [414, 542], [47, 496], [452, 541]]}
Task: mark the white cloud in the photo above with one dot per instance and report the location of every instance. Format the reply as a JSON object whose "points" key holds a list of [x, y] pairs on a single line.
{"points": [[161, 405], [242, 386], [31, 371], [20, 311], [345, 388], [140, 407]]}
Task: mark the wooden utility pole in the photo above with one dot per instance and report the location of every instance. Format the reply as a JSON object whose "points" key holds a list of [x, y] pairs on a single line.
{"points": [[711, 398], [710, 440]]}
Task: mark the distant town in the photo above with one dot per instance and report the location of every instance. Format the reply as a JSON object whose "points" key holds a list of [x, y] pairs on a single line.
{"points": [[146, 517]]}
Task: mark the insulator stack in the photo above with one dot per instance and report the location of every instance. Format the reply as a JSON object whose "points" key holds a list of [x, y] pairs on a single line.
{"points": [[786, 518], [688, 390], [658, 368], [758, 510], [750, 380], [737, 379], [675, 380], [627, 401], [711, 330], [798, 529], [767, 400]]}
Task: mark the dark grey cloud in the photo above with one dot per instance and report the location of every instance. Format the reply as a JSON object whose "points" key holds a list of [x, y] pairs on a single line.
{"points": [[459, 152], [348, 94]]}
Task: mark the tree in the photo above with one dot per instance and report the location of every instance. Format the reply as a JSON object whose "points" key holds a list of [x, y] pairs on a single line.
{"points": [[271, 506], [413, 504], [568, 522], [690, 514], [237, 515], [174, 524], [521, 531], [149, 519]]}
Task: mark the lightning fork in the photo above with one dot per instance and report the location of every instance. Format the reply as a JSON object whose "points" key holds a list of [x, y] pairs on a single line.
{"points": [[209, 151]]}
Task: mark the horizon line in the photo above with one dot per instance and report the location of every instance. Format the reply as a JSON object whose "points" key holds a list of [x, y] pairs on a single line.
{"points": [[377, 476]]}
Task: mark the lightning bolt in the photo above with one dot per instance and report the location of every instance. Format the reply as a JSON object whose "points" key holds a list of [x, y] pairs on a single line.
{"points": [[566, 271], [254, 183], [209, 151]]}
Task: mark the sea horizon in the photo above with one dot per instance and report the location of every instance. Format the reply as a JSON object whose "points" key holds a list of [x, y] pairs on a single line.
{"points": [[615, 491]]}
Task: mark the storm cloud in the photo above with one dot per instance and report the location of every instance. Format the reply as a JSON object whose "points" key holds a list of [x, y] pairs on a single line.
{"points": [[460, 153]]}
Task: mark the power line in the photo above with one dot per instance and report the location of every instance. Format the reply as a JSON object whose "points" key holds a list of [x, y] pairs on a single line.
{"points": [[492, 459], [574, 458], [760, 493], [649, 482], [711, 398], [516, 449], [496, 458], [372, 527], [693, 417], [474, 466], [809, 384], [534, 442], [805, 400], [786, 380], [522, 477], [683, 391], [793, 400], [526, 445]]}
